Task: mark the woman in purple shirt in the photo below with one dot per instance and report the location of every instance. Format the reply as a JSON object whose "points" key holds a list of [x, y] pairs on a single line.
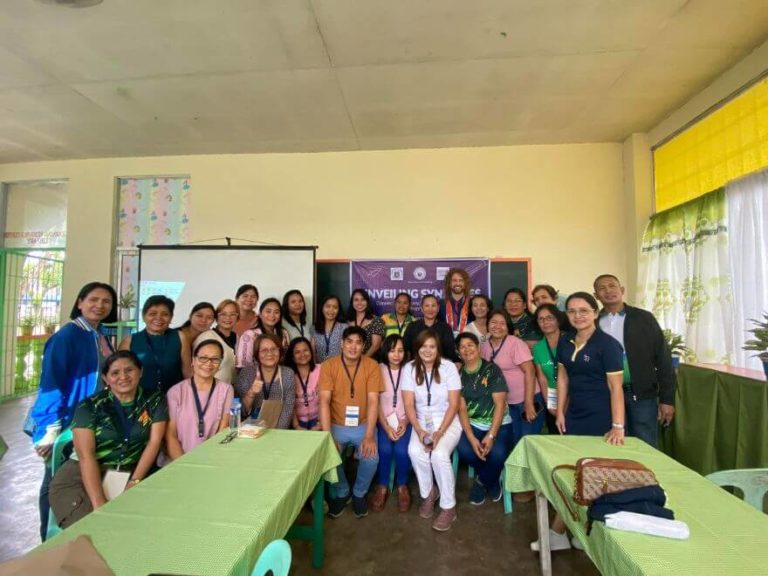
{"points": [[198, 407]]}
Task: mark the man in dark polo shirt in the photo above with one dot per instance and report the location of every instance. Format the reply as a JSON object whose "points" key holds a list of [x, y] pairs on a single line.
{"points": [[649, 379]]}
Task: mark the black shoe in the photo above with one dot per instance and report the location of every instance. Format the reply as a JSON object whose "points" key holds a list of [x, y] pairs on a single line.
{"points": [[336, 506], [360, 506]]}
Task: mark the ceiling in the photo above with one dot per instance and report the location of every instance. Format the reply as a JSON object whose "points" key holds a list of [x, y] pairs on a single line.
{"points": [[156, 77]]}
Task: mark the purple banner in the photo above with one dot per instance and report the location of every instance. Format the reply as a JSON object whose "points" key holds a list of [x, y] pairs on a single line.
{"points": [[384, 279]]}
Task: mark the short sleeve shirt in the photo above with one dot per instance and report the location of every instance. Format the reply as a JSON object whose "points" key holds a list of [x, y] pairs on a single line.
{"points": [[336, 380], [391, 379], [98, 413], [437, 405], [508, 356], [308, 407], [374, 327], [182, 409], [477, 389], [543, 358]]}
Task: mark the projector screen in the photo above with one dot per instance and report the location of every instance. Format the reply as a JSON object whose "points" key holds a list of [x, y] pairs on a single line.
{"points": [[192, 274]]}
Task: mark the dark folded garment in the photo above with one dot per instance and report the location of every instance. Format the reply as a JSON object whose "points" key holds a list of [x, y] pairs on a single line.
{"points": [[648, 500]]}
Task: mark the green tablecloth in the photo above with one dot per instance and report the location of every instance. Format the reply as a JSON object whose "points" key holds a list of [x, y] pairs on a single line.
{"points": [[721, 421], [728, 537], [3, 447], [214, 510]]}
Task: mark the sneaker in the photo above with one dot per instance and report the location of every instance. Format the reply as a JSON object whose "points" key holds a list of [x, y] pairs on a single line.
{"points": [[403, 499], [576, 543], [495, 493], [477, 493], [336, 506], [444, 520], [556, 542], [360, 506], [427, 507], [379, 498]]}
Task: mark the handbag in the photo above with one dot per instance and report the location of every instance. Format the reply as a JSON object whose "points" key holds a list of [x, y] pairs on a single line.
{"points": [[598, 476]]}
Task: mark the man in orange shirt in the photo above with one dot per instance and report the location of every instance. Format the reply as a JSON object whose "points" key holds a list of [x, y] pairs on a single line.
{"points": [[349, 404]]}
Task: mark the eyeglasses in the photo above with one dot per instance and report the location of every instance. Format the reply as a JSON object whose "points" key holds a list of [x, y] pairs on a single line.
{"points": [[546, 318], [580, 312], [208, 360], [228, 315], [269, 351]]}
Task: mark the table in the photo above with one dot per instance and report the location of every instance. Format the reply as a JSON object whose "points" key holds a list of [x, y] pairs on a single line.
{"points": [[727, 535], [213, 511], [721, 419], [3, 447]]}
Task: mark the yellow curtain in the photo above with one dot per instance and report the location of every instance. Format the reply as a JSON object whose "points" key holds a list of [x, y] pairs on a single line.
{"points": [[727, 144]]}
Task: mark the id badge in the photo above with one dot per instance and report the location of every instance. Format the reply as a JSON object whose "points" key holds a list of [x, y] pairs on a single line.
{"points": [[552, 398], [429, 423], [393, 421], [352, 416]]}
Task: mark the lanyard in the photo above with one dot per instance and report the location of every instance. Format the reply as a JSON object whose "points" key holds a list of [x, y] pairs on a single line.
{"points": [[126, 424], [301, 330], [158, 366], [401, 327], [268, 389], [495, 352], [428, 381], [327, 336], [304, 386], [350, 377], [200, 410], [554, 361], [395, 386]]}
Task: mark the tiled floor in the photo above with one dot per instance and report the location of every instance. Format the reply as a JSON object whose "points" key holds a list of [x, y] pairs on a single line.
{"points": [[21, 472], [483, 541]]}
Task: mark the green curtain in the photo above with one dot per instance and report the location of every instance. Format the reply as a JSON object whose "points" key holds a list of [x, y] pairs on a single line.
{"points": [[684, 275]]}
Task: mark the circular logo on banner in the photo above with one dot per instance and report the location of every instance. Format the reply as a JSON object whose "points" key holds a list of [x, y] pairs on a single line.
{"points": [[419, 273]]}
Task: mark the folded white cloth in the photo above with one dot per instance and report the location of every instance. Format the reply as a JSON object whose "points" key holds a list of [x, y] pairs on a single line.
{"points": [[645, 524]]}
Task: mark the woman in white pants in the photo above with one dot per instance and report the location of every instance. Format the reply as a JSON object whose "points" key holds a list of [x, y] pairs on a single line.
{"points": [[431, 389]]}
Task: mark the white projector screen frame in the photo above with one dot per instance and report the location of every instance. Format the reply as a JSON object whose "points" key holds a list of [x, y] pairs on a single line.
{"points": [[192, 274]]}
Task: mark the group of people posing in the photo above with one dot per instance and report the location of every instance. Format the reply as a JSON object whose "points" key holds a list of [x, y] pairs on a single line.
{"points": [[403, 392]]}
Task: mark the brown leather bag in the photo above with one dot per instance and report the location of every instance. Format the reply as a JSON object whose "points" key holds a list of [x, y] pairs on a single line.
{"points": [[598, 476]]}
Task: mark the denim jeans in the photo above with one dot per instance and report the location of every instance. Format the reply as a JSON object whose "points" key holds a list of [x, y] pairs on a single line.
{"points": [[399, 449], [353, 436], [309, 424], [521, 427], [488, 471], [642, 418], [43, 502]]}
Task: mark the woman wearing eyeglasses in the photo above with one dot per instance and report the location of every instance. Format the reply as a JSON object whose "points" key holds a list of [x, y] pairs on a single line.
{"points": [[265, 379], [227, 313], [590, 369], [551, 322], [198, 407]]}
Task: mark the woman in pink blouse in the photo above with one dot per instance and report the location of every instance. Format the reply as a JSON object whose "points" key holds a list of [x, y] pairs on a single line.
{"points": [[198, 407], [269, 322], [306, 410], [394, 431], [514, 358]]}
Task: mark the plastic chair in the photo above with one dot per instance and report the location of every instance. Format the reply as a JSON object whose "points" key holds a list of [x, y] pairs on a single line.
{"points": [[57, 459], [753, 482], [275, 558]]}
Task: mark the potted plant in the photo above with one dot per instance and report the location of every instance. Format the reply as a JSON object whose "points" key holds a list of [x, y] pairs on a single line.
{"points": [[127, 303], [676, 346], [759, 343], [50, 327], [27, 325]]}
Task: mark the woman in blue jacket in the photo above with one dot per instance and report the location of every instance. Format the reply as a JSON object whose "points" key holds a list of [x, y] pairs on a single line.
{"points": [[70, 373]]}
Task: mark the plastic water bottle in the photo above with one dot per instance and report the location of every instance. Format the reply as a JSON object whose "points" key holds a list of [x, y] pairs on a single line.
{"points": [[234, 415]]}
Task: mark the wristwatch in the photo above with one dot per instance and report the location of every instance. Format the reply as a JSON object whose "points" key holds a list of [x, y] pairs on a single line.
{"points": [[491, 436], [618, 426]]}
